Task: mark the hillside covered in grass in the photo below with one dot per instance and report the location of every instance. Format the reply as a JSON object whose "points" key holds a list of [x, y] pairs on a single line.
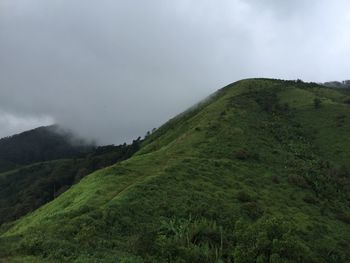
{"points": [[258, 172]]}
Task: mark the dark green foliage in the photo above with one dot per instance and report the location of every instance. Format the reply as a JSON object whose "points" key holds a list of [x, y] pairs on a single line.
{"points": [[252, 210], [267, 100], [242, 154], [344, 217], [310, 199], [298, 181], [269, 240], [192, 241], [243, 197], [317, 103], [275, 179]]}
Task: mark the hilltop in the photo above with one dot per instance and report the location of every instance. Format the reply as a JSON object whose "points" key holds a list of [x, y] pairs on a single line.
{"points": [[258, 172]]}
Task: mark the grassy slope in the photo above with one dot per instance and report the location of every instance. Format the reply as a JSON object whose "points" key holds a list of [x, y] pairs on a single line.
{"points": [[196, 166]]}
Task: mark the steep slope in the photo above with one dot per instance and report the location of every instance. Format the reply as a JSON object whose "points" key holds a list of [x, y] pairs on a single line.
{"points": [[39, 145], [259, 172]]}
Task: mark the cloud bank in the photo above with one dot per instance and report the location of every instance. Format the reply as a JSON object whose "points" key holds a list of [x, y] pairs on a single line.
{"points": [[11, 124], [113, 69]]}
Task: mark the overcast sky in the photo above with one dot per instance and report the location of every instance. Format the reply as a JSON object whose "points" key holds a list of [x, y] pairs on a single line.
{"points": [[113, 69]]}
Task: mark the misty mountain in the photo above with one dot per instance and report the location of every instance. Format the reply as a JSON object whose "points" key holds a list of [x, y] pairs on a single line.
{"points": [[258, 172], [39, 145], [338, 84]]}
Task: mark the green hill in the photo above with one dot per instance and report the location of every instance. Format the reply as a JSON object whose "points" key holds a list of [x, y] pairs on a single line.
{"points": [[258, 172]]}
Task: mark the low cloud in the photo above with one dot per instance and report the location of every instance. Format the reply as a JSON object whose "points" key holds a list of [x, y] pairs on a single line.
{"points": [[11, 124], [111, 70]]}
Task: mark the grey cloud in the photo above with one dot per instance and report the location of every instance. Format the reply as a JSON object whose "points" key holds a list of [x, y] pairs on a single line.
{"points": [[112, 70], [11, 124]]}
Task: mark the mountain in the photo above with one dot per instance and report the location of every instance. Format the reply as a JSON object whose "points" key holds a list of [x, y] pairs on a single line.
{"points": [[338, 84], [39, 145], [258, 172]]}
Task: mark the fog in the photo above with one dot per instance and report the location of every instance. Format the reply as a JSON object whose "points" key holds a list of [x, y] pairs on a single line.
{"points": [[110, 70]]}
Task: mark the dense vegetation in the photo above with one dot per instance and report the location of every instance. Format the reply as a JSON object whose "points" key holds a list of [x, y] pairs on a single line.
{"points": [[29, 187], [39, 145], [259, 172]]}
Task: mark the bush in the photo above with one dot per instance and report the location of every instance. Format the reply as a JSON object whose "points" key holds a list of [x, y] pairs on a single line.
{"points": [[188, 240], [310, 200], [242, 154], [298, 181], [252, 210], [317, 103], [344, 217], [269, 240], [243, 197], [275, 179]]}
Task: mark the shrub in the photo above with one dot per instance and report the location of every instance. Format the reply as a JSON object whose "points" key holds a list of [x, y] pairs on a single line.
{"points": [[252, 210], [275, 179], [344, 217], [188, 240], [32, 245], [340, 120], [298, 181], [242, 154], [285, 108], [310, 200], [317, 103], [243, 197]]}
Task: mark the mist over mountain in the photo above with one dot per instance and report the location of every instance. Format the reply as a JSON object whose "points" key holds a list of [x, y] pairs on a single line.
{"points": [[258, 172], [121, 139]]}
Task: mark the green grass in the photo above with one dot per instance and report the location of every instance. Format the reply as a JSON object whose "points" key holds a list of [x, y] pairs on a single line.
{"points": [[204, 184]]}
